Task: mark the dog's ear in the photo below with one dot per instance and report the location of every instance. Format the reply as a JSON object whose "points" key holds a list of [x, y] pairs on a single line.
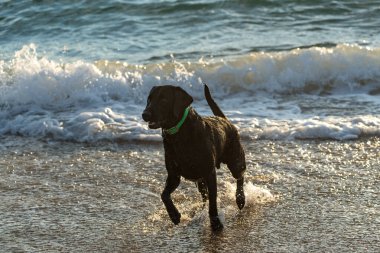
{"points": [[181, 100], [151, 90]]}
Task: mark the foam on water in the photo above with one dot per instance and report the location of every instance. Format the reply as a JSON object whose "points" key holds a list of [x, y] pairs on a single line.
{"points": [[253, 194], [339, 128], [265, 94]]}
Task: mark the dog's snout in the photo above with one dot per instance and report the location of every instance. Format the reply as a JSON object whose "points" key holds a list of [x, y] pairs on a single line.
{"points": [[146, 115]]}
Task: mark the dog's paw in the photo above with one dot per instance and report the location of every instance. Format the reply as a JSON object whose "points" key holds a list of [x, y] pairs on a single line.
{"points": [[175, 216], [216, 224], [240, 200]]}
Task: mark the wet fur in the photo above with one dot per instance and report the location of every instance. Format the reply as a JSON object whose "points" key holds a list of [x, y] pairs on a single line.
{"points": [[200, 146]]}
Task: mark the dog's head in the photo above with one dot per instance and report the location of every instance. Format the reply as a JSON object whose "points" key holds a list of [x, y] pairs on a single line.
{"points": [[165, 106]]}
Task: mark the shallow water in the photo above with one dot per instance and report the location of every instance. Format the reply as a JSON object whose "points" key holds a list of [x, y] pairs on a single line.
{"points": [[302, 196]]}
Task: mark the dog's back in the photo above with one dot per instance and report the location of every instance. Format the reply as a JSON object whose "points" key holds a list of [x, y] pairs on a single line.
{"points": [[225, 137]]}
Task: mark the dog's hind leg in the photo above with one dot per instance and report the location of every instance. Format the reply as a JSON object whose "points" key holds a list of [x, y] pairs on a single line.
{"points": [[202, 188], [172, 183], [240, 197], [236, 165]]}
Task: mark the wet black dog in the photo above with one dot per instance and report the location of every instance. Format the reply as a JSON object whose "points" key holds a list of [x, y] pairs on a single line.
{"points": [[195, 146]]}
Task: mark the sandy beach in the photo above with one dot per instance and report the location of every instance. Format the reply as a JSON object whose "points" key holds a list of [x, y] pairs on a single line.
{"points": [[302, 196]]}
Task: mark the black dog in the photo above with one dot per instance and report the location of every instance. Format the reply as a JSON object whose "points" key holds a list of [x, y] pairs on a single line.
{"points": [[195, 146]]}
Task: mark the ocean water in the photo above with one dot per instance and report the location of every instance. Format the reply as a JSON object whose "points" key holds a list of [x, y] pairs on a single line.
{"points": [[80, 171]]}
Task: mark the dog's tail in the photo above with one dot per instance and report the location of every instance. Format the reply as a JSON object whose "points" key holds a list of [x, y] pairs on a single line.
{"points": [[214, 107]]}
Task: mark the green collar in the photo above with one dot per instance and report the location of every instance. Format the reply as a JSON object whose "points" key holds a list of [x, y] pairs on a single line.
{"points": [[176, 128]]}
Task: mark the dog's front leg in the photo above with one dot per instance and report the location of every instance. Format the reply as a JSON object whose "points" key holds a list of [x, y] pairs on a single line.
{"points": [[216, 224], [172, 183]]}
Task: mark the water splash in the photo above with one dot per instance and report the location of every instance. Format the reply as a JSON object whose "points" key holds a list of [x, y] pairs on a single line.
{"points": [[253, 194]]}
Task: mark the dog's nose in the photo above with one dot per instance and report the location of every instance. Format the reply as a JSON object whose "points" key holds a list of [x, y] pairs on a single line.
{"points": [[146, 115]]}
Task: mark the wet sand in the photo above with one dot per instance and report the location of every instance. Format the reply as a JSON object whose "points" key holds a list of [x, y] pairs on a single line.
{"points": [[302, 196]]}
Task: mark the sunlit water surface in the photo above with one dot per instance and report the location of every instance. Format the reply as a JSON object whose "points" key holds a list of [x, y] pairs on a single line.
{"points": [[302, 196]]}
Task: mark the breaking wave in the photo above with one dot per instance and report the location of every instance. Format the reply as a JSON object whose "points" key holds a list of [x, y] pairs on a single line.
{"points": [[91, 101]]}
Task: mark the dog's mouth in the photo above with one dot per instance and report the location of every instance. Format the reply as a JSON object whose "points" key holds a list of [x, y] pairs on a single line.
{"points": [[154, 125]]}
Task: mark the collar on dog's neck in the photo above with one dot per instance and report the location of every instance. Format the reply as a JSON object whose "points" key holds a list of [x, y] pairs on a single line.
{"points": [[176, 128]]}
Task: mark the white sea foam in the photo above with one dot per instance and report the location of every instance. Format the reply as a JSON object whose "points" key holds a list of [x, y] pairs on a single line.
{"points": [[339, 128], [306, 93], [253, 194]]}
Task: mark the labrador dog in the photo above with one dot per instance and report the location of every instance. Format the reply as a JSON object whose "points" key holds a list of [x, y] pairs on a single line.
{"points": [[195, 146]]}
